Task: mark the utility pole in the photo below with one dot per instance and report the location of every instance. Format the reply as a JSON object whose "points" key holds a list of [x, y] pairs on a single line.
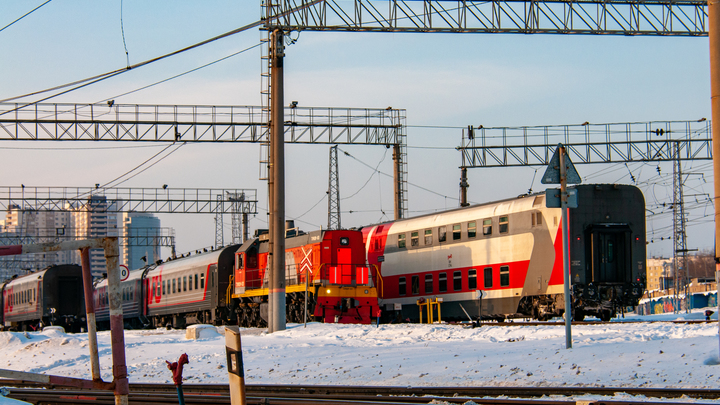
{"points": [[714, 39], [276, 262], [334, 191]]}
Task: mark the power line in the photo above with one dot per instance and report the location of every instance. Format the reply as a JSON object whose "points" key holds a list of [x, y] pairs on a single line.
{"points": [[181, 74], [95, 79], [25, 15]]}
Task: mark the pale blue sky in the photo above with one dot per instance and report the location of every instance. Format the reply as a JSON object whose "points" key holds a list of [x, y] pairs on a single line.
{"points": [[451, 80]]}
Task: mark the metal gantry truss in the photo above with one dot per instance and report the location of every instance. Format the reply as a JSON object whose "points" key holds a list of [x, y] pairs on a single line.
{"points": [[615, 17], [177, 123], [150, 200], [587, 143], [333, 190], [141, 237]]}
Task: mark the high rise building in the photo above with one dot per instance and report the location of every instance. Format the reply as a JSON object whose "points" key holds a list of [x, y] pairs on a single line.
{"points": [[96, 220], [28, 226], [141, 231]]}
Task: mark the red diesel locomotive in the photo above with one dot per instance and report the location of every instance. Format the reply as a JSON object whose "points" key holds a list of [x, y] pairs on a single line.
{"points": [[229, 285]]}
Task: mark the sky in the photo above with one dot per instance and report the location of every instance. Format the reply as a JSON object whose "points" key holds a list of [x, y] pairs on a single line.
{"points": [[445, 82], [618, 354]]}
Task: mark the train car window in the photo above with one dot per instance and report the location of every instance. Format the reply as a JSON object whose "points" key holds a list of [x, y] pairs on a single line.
{"points": [[415, 239], [539, 218], [504, 276], [504, 224], [428, 237], [202, 280], [184, 283], [173, 285], [190, 282], [415, 285], [401, 286], [196, 281], [132, 293], [159, 290], [532, 219], [442, 234], [457, 280], [487, 275], [164, 287], [472, 229], [401, 241], [487, 226], [428, 284], [456, 232], [442, 282], [472, 279]]}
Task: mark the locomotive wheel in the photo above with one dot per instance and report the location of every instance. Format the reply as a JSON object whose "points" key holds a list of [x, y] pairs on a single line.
{"points": [[605, 316], [579, 315]]}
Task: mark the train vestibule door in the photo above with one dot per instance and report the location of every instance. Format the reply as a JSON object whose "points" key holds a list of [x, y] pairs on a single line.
{"points": [[610, 255]]}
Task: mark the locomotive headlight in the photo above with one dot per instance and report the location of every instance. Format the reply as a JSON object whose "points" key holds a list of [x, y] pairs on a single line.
{"points": [[344, 241], [328, 291], [366, 291]]}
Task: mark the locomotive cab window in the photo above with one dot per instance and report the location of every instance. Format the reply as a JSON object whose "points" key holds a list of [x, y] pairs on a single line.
{"points": [[239, 260], [415, 285], [504, 224], [415, 239], [472, 229], [442, 282], [401, 286], [472, 279], [504, 276], [401, 241], [487, 226], [428, 284], [442, 234], [456, 232], [428, 237]]}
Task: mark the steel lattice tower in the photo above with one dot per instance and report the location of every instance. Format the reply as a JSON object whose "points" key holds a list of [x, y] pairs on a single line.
{"points": [[679, 243], [219, 240], [334, 191], [237, 223]]}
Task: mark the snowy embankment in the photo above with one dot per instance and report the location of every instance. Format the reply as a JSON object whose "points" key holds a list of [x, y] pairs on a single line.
{"points": [[614, 355]]}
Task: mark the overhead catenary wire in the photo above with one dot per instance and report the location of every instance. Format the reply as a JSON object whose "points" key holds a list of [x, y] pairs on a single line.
{"points": [[24, 15], [95, 79]]}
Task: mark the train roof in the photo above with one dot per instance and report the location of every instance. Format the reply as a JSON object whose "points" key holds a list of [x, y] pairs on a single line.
{"points": [[195, 260], [484, 210], [34, 275]]}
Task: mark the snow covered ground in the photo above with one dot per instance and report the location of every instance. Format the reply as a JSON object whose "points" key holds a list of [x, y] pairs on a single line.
{"points": [[615, 355]]}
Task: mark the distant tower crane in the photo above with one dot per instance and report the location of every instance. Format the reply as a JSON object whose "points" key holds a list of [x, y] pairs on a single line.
{"points": [[334, 191]]}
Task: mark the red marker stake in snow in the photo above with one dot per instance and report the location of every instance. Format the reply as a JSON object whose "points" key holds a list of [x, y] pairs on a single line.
{"points": [[177, 369]]}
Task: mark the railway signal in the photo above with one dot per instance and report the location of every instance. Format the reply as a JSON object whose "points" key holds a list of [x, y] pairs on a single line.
{"points": [[561, 170]]}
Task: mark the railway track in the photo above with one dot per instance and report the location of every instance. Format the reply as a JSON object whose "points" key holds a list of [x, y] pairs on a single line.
{"points": [[562, 323], [160, 394]]}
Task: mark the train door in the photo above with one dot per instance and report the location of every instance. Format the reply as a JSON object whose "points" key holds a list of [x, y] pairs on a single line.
{"points": [[610, 254], [70, 296]]}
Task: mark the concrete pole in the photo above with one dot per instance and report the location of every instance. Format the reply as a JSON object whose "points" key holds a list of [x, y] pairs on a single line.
{"points": [[276, 295], [566, 254], [714, 37], [396, 181], [117, 336], [90, 314]]}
